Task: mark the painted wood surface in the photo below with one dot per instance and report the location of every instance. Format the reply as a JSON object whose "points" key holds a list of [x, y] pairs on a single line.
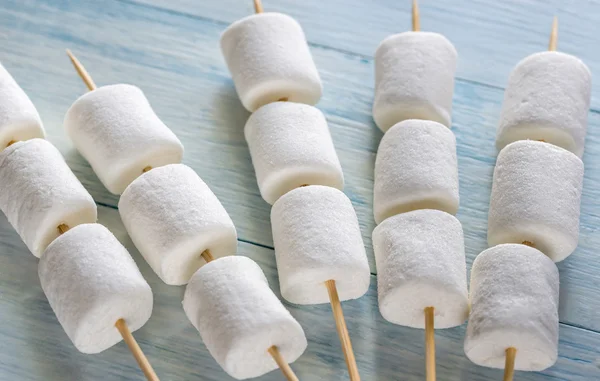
{"points": [[170, 49]]}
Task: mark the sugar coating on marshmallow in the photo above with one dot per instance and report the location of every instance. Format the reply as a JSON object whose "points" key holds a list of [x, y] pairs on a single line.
{"points": [[91, 282], [536, 196], [514, 303], [547, 98], [38, 192], [291, 146], [420, 259], [239, 318], [19, 119], [116, 130], [269, 60], [415, 168], [172, 217], [317, 238], [414, 79]]}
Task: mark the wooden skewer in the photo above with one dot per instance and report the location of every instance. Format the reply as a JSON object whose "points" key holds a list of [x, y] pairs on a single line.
{"points": [[342, 329], [283, 365], [146, 169], [85, 76], [273, 350], [429, 344], [206, 254], [528, 243], [11, 143], [553, 35], [509, 365], [416, 20], [135, 349], [123, 329], [258, 8]]}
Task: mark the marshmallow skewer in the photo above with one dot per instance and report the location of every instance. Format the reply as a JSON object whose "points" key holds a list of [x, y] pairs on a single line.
{"points": [[273, 350], [429, 311], [271, 196], [121, 325], [511, 352]]}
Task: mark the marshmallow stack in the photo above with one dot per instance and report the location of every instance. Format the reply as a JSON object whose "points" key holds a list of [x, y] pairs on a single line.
{"points": [[316, 234], [534, 210], [179, 225], [89, 278], [418, 244]]}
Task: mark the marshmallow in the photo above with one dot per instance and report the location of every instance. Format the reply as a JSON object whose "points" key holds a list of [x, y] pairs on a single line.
{"points": [[420, 259], [269, 60], [239, 318], [536, 194], [514, 303], [317, 238], [91, 282], [119, 134], [38, 192], [547, 98], [19, 120], [415, 168], [172, 216], [414, 79], [291, 146]]}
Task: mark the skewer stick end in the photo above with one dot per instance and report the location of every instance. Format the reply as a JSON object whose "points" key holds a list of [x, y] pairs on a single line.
{"points": [[416, 20], [87, 79], [258, 8], [554, 35], [429, 344], [207, 255], [509, 365]]}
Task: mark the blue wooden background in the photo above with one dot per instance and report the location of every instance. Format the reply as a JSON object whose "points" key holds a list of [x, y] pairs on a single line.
{"points": [[170, 49]]}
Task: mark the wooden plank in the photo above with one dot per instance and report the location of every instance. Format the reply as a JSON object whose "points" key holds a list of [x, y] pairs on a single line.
{"points": [[177, 63], [33, 345], [490, 36]]}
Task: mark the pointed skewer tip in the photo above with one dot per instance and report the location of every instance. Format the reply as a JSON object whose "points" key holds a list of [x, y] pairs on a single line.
{"points": [[553, 35], [87, 79]]}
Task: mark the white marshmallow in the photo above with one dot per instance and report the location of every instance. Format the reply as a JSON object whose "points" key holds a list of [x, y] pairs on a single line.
{"points": [[317, 238], [536, 195], [414, 78], [547, 98], [420, 259], [91, 282], [239, 318], [268, 58], [172, 216], [415, 168], [19, 120], [291, 146], [514, 303], [38, 192], [116, 130]]}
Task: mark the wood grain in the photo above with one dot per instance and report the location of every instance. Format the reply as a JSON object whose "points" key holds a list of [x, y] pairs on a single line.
{"points": [[171, 50]]}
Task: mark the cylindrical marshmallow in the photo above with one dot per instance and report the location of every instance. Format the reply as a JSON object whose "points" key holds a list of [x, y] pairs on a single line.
{"points": [[291, 146], [269, 60], [414, 78], [19, 120], [415, 168], [547, 98], [116, 130], [172, 216], [91, 282], [536, 196], [38, 192], [317, 238], [239, 318], [514, 303], [420, 259]]}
